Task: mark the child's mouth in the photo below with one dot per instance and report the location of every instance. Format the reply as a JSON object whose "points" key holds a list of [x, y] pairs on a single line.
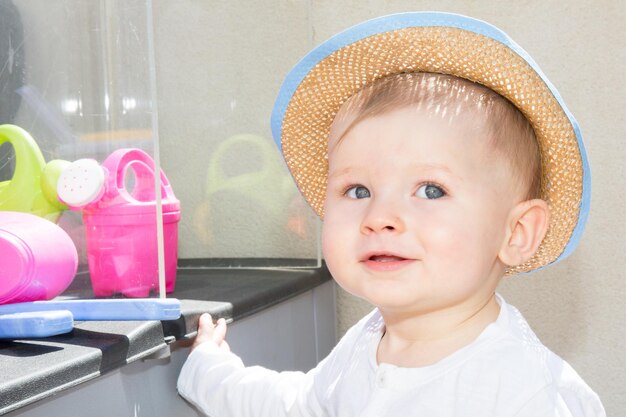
{"points": [[385, 258], [386, 262]]}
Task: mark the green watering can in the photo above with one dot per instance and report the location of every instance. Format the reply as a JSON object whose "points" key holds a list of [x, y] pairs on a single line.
{"points": [[32, 189]]}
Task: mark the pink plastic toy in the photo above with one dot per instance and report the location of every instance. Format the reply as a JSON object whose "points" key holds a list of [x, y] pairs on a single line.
{"points": [[38, 259], [121, 224]]}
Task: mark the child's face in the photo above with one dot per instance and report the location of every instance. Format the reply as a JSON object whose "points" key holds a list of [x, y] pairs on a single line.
{"points": [[416, 211]]}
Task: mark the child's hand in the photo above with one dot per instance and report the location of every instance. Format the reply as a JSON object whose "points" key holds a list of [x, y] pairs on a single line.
{"points": [[211, 333]]}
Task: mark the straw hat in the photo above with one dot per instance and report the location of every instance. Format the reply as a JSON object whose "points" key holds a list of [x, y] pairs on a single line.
{"points": [[442, 43]]}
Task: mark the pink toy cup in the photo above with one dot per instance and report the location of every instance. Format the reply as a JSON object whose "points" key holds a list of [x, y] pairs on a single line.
{"points": [[38, 259], [121, 229]]}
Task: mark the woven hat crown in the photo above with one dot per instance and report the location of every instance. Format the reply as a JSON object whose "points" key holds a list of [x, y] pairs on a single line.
{"points": [[443, 43]]}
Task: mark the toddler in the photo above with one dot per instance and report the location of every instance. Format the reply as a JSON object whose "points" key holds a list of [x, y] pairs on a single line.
{"points": [[441, 160]]}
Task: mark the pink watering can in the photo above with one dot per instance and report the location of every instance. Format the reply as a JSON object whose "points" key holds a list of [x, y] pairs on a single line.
{"points": [[38, 260], [121, 224]]}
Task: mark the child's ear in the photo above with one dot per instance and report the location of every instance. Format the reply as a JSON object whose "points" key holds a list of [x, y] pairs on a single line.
{"points": [[526, 227]]}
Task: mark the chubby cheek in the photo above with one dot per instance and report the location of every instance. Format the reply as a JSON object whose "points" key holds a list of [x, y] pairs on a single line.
{"points": [[328, 242], [454, 242], [450, 240], [336, 248], [333, 241]]}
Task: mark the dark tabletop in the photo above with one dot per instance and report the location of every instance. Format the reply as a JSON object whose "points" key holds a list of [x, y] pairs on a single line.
{"points": [[37, 368]]}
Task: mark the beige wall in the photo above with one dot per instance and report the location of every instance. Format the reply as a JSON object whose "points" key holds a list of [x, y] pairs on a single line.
{"points": [[221, 61]]}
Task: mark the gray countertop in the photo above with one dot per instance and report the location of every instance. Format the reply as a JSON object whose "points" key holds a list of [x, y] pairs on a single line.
{"points": [[34, 369]]}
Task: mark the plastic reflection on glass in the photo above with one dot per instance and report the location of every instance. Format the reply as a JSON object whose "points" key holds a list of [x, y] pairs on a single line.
{"points": [[220, 66]]}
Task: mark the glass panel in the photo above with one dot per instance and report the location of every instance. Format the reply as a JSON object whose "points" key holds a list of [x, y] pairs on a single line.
{"points": [[75, 76], [219, 68], [78, 77]]}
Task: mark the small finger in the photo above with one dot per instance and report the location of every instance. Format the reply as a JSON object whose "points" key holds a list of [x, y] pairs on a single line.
{"points": [[205, 324], [220, 331], [205, 330]]}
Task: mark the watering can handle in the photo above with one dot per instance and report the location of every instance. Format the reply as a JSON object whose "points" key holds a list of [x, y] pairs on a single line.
{"points": [[29, 161], [119, 161], [31, 188]]}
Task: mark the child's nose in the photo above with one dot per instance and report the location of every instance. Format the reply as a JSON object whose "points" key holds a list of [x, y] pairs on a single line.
{"points": [[382, 217]]}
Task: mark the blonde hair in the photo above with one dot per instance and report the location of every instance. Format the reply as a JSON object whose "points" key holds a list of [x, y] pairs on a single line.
{"points": [[507, 129]]}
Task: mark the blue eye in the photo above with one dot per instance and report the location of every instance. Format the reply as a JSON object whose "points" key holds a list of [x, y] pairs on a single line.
{"points": [[358, 192], [430, 192]]}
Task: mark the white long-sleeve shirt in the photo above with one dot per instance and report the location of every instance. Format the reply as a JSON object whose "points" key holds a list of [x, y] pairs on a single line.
{"points": [[505, 372]]}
